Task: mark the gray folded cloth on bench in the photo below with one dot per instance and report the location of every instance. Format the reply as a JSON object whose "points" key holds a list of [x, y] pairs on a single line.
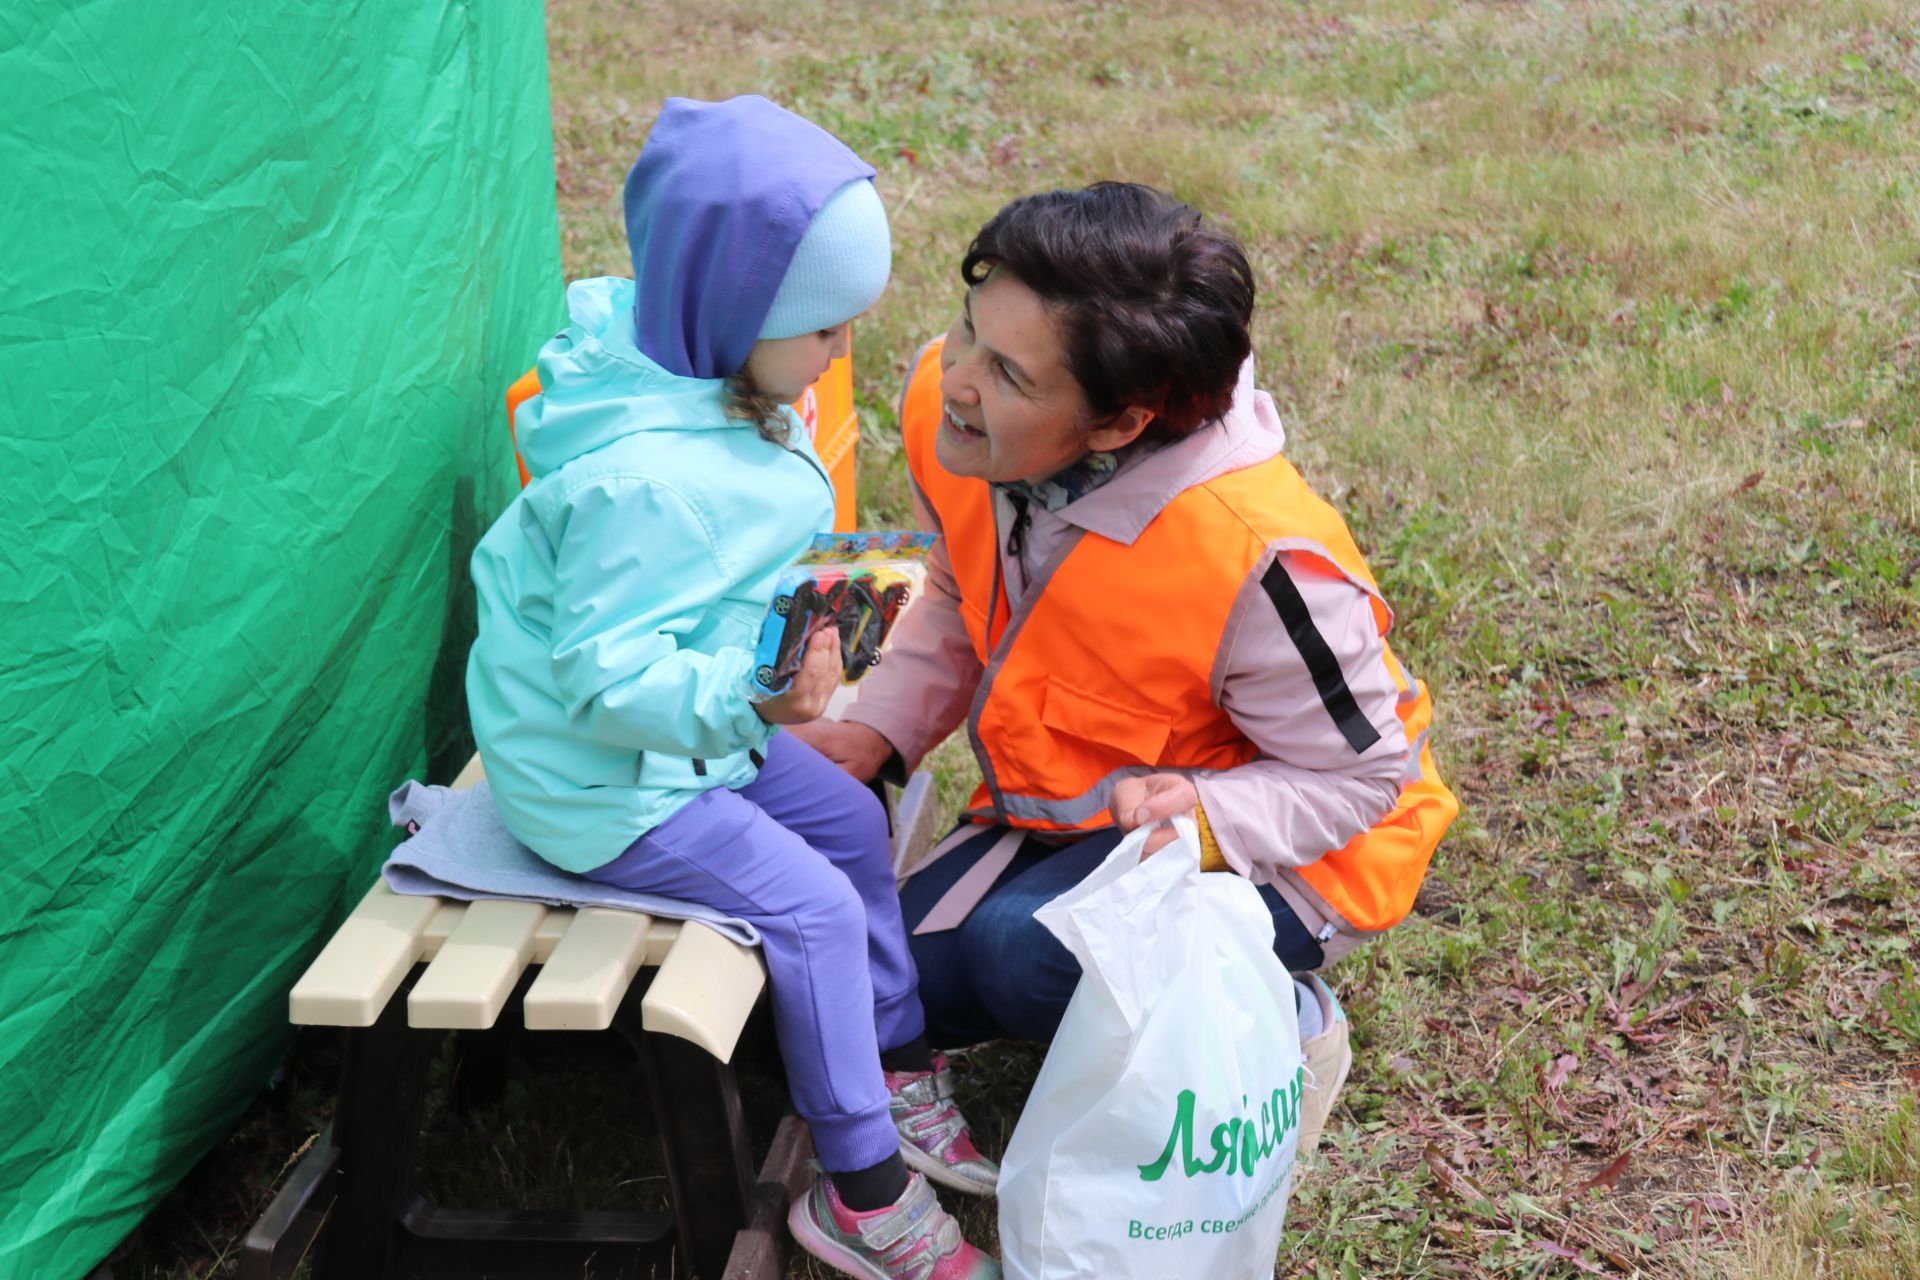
{"points": [[459, 848]]}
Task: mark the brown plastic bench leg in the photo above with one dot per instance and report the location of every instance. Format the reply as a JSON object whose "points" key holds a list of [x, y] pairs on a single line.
{"points": [[376, 1126], [280, 1240], [761, 1251], [710, 1173]]}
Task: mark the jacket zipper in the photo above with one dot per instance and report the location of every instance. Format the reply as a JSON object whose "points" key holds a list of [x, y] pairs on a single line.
{"points": [[993, 604], [1017, 537]]}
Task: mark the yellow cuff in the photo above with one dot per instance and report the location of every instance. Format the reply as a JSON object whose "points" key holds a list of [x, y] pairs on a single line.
{"points": [[1211, 859]]}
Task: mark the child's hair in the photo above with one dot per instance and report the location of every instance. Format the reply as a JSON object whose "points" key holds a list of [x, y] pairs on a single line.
{"points": [[747, 402]]}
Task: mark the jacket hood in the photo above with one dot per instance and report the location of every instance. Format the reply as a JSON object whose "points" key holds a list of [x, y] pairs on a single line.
{"points": [[597, 386], [716, 204]]}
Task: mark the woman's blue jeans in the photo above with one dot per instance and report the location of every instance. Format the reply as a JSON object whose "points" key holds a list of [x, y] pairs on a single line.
{"points": [[1000, 974]]}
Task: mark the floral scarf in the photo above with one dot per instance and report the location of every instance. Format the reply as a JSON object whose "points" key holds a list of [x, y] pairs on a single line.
{"points": [[1069, 484]]}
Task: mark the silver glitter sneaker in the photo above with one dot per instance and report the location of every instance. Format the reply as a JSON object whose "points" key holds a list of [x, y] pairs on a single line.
{"points": [[933, 1134], [911, 1239]]}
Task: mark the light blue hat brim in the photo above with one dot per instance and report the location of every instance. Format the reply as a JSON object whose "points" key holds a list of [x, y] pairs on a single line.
{"points": [[840, 267]]}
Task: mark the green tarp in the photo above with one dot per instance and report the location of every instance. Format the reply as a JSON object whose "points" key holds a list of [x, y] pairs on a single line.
{"points": [[268, 272]]}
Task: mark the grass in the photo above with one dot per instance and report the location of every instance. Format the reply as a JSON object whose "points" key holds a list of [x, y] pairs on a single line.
{"points": [[1600, 319]]}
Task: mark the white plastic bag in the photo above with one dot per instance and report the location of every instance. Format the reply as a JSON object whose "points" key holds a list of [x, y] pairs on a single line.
{"points": [[1160, 1135]]}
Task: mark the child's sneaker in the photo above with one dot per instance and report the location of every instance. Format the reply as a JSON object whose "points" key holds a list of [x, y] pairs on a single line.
{"points": [[1329, 1054], [933, 1133], [911, 1239]]}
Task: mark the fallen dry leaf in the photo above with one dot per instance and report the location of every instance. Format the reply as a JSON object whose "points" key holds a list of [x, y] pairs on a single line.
{"points": [[1567, 1255], [1608, 1177]]}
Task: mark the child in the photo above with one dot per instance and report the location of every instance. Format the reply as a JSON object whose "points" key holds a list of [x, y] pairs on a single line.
{"points": [[620, 597]]}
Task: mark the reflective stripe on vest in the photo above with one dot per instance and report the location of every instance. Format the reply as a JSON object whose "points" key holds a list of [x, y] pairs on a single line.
{"points": [[1099, 675]]}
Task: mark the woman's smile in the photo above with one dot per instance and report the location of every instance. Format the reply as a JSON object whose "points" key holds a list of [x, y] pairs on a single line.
{"points": [[959, 427]]}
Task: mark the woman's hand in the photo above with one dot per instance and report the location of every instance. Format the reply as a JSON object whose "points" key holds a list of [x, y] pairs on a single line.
{"points": [[859, 749], [819, 674], [1140, 802]]}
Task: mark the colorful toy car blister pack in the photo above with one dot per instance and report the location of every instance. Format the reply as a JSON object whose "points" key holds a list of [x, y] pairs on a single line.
{"points": [[856, 583]]}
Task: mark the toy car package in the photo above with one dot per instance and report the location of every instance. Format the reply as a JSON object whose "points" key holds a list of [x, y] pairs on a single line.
{"points": [[855, 583]]}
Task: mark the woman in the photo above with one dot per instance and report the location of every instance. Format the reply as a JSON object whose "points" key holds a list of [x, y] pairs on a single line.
{"points": [[1138, 609]]}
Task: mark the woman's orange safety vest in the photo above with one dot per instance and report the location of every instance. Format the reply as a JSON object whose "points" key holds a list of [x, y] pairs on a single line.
{"points": [[1107, 665]]}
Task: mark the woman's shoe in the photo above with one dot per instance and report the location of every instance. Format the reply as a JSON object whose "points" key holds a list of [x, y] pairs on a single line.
{"points": [[933, 1133], [1329, 1056], [911, 1239]]}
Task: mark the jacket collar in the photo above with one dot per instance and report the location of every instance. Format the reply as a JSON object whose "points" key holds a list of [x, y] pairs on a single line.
{"points": [[1120, 510]]}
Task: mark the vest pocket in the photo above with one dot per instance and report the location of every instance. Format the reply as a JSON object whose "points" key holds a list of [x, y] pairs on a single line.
{"points": [[1140, 733]]}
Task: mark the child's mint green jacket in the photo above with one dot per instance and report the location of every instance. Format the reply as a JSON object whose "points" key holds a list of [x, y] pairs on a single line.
{"points": [[621, 594]]}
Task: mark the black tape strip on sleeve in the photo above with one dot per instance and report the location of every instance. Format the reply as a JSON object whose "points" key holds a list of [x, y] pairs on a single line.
{"points": [[699, 767], [1321, 664], [759, 761]]}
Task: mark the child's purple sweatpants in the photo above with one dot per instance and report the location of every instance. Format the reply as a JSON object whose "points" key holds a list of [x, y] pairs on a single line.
{"points": [[802, 853]]}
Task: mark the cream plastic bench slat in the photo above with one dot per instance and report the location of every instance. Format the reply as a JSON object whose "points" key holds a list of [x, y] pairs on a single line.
{"points": [[660, 940], [472, 773], [588, 973], [469, 981], [706, 987], [441, 927], [552, 926], [363, 964]]}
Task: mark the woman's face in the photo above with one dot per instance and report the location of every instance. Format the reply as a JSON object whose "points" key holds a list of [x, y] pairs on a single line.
{"points": [[1013, 410]]}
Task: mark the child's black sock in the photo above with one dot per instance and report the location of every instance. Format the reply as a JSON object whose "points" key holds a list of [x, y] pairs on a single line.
{"points": [[915, 1055], [874, 1187]]}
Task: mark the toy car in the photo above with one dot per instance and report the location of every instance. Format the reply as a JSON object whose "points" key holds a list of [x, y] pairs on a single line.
{"points": [[875, 600], [804, 601]]}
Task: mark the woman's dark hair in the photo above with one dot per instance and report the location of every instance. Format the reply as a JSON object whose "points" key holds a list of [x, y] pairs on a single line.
{"points": [[1154, 301], [745, 401]]}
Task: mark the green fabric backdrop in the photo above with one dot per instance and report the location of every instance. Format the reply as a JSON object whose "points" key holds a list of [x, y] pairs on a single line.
{"points": [[269, 270]]}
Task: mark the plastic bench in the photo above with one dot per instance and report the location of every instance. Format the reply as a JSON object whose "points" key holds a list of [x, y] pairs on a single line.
{"points": [[402, 971]]}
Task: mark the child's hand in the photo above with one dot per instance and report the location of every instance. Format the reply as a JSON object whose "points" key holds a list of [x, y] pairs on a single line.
{"points": [[819, 674]]}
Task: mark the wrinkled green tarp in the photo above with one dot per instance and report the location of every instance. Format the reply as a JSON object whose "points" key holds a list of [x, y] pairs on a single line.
{"points": [[268, 270]]}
